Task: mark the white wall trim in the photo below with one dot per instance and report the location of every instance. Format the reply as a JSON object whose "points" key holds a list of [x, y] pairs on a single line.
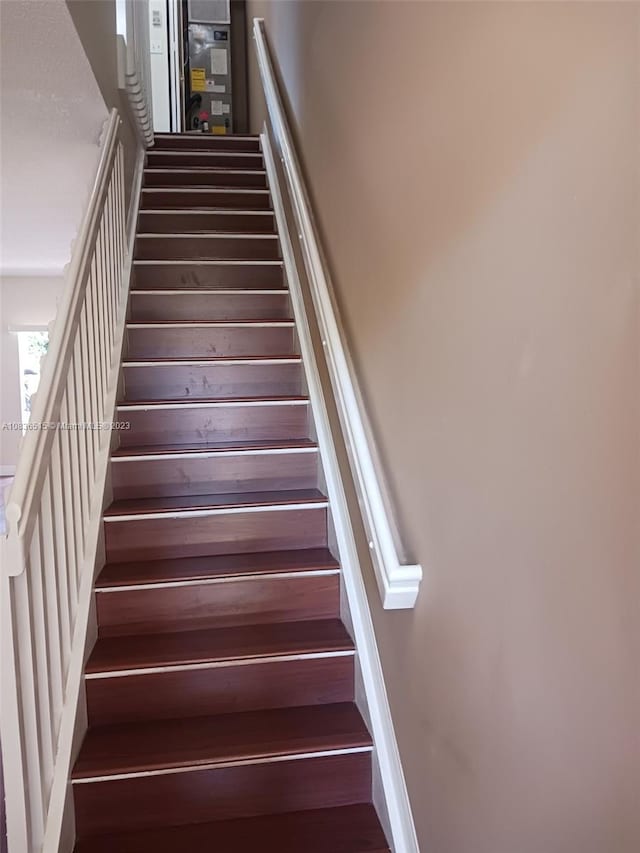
{"points": [[7, 470], [175, 65], [398, 582], [33, 272], [394, 787]]}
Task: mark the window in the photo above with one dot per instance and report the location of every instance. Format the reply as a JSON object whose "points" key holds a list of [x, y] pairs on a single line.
{"points": [[31, 347]]}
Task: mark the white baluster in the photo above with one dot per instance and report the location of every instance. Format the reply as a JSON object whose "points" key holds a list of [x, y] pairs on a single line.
{"points": [[118, 243], [102, 304], [28, 688], [93, 302], [106, 290], [121, 226], [80, 437], [113, 271], [73, 510], [41, 655], [89, 381], [59, 501], [48, 555]]}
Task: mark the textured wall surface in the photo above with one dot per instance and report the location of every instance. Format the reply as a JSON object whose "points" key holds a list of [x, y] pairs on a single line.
{"points": [[475, 172], [52, 117]]}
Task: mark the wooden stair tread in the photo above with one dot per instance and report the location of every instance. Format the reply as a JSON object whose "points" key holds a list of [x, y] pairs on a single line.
{"points": [[208, 359], [236, 666], [346, 829], [239, 500], [200, 137], [243, 737], [206, 234], [218, 566], [114, 654], [212, 447], [212, 210], [205, 186], [201, 232], [229, 401], [190, 168], [253, 321], [185, 136], [172, 211]]}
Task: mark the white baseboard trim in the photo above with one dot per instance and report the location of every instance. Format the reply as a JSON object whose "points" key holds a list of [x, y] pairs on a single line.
{"points": [[398, 581], [394, 788]]}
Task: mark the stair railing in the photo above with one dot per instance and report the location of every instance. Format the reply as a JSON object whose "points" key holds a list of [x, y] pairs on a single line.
{"points": [[54, 510], [398, 579]]}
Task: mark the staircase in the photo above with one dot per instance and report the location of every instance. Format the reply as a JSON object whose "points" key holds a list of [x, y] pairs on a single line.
{"points": [[220, 691]]}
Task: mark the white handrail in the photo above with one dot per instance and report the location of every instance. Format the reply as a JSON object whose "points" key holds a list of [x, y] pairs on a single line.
{"points": [[398, 582], [54, 508]]}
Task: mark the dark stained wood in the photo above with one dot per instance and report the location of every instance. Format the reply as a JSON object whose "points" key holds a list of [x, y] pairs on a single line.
{"points": [[215, 378], [350, 829], [200, 177], [230, 689], [198, 741], [254, 323], [193, 221], [207, 159], [232, 792], [222, 673], [195, 475], [194, 275], [218, 645], [206, 341], [139, 506], [226, 565], [255, 247], [246, 601], [205, 142], [204, 199], [202, 535], [208, 306], [204, 426], [222, 446]]}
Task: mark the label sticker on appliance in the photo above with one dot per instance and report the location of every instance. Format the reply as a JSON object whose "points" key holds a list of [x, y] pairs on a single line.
{"points": [[217, 88], [217, 108], [198, 80], [218, 60]]}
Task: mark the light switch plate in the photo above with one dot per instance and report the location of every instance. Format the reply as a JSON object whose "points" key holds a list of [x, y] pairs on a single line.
{"points": [[156, 46]]}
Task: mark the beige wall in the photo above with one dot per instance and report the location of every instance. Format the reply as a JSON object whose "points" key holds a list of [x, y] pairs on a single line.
{"points": [[474, 168]]}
